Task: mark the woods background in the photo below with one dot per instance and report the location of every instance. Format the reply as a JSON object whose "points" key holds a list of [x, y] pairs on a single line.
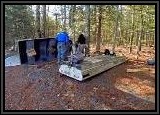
{"points": [[116, 25]]}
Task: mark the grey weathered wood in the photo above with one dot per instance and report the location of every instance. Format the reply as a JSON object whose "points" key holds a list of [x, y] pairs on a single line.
{"points": [[91, 66], [95, 65]]}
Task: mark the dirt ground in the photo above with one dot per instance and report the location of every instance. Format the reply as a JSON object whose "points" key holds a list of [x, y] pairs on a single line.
{"points": [[42, 88]]}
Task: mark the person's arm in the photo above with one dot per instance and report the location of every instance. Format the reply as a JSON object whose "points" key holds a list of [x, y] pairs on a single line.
{"points": [[56, 39], [67, 40]]}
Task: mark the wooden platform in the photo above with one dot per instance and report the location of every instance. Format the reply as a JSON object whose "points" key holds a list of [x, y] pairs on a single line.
{"points": [[92, 66]]}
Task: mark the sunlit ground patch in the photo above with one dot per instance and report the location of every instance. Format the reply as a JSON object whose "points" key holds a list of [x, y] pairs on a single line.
{"points": [[137, 87]]}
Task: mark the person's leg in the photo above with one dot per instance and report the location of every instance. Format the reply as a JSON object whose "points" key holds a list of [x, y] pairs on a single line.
{"points": [[68, 50], [59, 52], [63, 52]]}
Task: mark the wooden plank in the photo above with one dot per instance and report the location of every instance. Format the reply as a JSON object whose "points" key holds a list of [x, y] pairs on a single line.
{"points": [[102, 67], [31, 52], [138, 70], [89, 64]]}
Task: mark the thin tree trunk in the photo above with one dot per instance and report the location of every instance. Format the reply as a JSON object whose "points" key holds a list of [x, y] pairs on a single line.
{"points": [[62, 16], [95, 21], [73, 22], [146, 36], [105, 36], [121, 33], [88, 28], [139, 40], [99, 39], [130, 49], [154, 40], [65, 16], [38, 21], [44, 21], [115, 34], [139, 45], [48, 21], [70, 16]]}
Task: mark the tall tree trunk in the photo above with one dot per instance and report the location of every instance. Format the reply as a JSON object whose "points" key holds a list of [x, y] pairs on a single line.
{"points": [[99, 39], [139, 40], [72, 21], [38, 21], [138, 34], [95, 21], [65, 16], [115, 29], [70, 16], [154, 40], [56, 23], [130, 49], [48, 22], [120, 25], [62, 16], [146, 36], [87, 20], [44, 20]]}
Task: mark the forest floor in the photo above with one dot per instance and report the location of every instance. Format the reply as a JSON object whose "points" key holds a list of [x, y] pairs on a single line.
{"points": [[120, 88]]}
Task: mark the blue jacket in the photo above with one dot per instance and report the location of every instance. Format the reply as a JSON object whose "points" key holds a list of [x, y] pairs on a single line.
{"points": [[62, 37]]}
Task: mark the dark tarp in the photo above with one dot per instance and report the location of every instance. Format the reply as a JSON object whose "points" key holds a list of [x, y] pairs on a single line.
{"points": [[41, 47]]}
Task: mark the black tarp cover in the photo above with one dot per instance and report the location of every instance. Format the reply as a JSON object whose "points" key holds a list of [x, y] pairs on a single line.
{"points": [[41, 47]]}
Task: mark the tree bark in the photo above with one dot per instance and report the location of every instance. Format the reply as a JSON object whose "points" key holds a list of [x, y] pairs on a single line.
{"points": [[44, 21], [48, 22], [141, 34], [38, 21], [73, 22], [65, 17], [99, 39], [115, 34], [95, 21], [130, 49], [87, 20]]}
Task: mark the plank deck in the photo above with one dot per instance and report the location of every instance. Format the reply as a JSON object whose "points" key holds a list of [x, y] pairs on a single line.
{"points": [[95, 65], [92, 66]]}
